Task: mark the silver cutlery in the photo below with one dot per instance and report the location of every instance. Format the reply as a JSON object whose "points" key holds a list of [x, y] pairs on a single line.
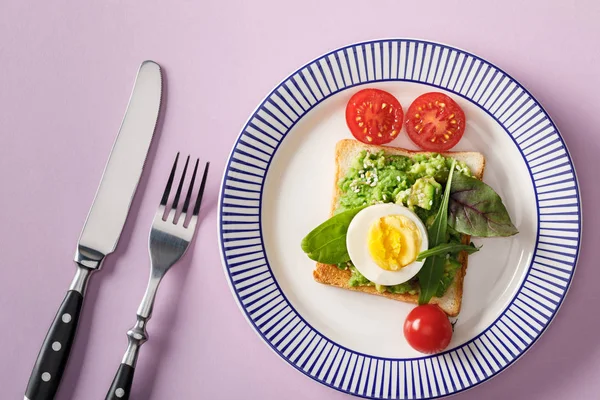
{"points": [[170, 237], [103, 226]]}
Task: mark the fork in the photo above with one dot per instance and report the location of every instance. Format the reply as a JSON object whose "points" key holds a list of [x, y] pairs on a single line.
{"points": [[170, 237]]}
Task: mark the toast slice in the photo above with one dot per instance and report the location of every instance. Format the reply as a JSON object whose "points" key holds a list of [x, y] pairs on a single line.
{"points": [[346, 152]]}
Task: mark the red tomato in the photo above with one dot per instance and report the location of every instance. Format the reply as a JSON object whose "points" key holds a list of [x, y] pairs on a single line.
{"points": [[434, 122], [427, 329], [374, 116]]}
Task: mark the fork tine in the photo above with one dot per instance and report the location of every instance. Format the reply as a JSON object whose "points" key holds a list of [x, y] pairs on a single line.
{"points": [[201, 191], [188, 197], [165, 197], [178, 194]]}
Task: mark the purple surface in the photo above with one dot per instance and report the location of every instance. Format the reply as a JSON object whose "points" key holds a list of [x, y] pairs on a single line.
{"points": [[66, 71]]}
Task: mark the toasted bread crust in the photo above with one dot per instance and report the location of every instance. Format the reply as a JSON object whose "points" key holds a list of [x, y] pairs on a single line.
{"points": [[345, 153]]}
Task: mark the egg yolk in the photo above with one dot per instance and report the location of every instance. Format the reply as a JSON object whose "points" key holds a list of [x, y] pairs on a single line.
{"points": [[394, 242]]}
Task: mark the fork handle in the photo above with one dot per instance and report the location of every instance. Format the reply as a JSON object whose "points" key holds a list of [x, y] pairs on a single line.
{"points": [[56, 348], [121, 385]]}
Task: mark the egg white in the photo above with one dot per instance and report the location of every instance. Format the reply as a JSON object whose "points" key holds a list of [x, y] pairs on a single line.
{"points": [[358, 249]]}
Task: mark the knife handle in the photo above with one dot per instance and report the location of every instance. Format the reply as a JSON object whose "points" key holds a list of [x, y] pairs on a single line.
{"points": [[53, 356], [56, 348], [121, 385]]}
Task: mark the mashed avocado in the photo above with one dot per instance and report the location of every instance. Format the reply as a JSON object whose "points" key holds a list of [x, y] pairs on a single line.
{"points": [[379, 178]]}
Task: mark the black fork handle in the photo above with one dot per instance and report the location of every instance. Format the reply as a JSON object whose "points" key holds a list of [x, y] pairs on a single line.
{"points": [[121, 384]]}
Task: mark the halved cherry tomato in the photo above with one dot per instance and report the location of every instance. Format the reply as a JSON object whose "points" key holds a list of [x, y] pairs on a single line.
{"points": [[434, 122], [427, 329], [374, 116]]}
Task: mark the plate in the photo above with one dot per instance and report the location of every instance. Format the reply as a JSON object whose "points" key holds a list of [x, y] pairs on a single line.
{"points": [[277, 186]]}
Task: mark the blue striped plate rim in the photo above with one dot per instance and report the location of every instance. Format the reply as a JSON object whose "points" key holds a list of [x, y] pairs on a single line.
{"points": [[529, 312]]}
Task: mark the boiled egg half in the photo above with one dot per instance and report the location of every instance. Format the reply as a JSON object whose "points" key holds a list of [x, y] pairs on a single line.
{"points": [[383, 242]]}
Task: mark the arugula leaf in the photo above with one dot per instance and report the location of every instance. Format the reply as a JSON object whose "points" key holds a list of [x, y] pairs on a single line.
{"points": [[327, 242], [477, 210], [447, 248], [433, 269]]}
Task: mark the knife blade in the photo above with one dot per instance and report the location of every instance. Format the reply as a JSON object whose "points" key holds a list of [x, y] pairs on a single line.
{"points": [[103, 226]]}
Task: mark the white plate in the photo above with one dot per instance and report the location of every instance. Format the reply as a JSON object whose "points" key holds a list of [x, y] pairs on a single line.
{"points": [[278, 184]]}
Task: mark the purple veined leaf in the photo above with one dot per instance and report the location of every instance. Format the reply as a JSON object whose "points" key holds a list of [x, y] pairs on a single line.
{"points": [[477, 210]]}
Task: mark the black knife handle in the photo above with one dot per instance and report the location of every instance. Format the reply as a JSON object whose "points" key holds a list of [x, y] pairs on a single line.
{"points": [[121, 385], [52, 359]]}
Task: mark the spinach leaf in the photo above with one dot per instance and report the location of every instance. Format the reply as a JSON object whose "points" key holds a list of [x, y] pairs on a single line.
{"points": [[476, 210], [327, 242], [447, 248], [433, 269]]}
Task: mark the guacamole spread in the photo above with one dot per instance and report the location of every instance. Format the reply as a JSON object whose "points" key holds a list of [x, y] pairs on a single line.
{"points": [[416, 183]]}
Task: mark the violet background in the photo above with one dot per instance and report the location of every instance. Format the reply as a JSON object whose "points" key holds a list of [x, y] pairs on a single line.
{"points": [[66, 72]]}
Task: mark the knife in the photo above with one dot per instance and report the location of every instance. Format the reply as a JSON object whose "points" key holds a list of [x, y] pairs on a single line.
{"points": [[102, 227]]}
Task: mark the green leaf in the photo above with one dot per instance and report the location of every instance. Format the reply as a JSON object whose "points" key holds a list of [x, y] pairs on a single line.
{"points": [[433, 269], [429, 278], [477, 210], [327, 242], [447, 248]]}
